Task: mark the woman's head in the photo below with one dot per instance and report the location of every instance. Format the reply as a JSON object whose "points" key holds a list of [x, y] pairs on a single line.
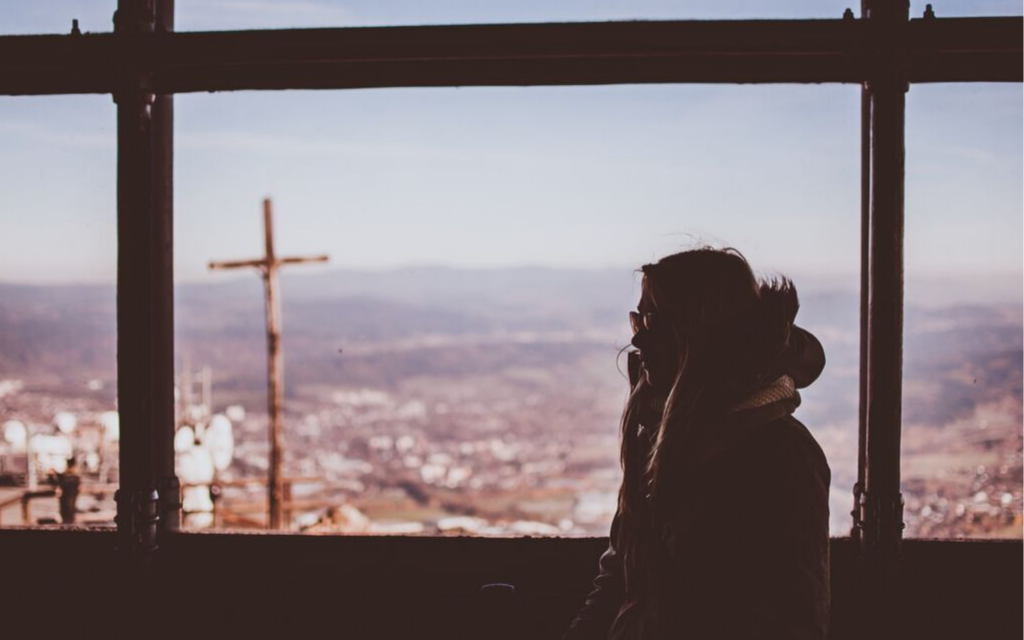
{"points": [[703, 312], [709, 333]]}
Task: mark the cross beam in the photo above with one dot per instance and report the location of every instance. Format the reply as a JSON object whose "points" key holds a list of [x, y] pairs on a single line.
{"points": [[705, 51], [268, 266]]}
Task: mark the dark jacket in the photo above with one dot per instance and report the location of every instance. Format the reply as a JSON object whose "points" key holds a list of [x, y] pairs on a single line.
{"points": [[743, 555]]}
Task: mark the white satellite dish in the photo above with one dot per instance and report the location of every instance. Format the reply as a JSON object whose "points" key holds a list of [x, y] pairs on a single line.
{"points": [[196, 499], [219, 440], [65, 422], [111, 422], [195, 466], [15, 433], [220, 421], [184, 439], [235, 413]]}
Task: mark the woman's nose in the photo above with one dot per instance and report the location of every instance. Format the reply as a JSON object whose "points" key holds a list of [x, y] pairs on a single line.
{"points": [[637, 340]]}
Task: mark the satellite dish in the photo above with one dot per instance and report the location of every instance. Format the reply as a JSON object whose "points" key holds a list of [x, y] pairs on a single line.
{"points": [[15, 433], [184, 439], [235, 413], [220, 421], [195, 466], [111, 422], [219, 440], [65, 422], [196, 499]]}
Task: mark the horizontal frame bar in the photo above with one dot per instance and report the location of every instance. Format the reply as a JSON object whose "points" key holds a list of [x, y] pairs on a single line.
{"points": [[735, 51]]}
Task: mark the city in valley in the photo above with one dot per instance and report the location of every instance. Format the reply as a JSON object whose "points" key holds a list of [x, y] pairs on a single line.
{"points": [[421, 402]]}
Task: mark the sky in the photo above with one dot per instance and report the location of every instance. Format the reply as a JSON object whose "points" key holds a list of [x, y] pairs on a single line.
{"points": [[488, 177]]}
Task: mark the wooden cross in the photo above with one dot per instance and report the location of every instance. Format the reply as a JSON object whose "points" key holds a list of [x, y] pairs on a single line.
{"points": [[268, 266]]}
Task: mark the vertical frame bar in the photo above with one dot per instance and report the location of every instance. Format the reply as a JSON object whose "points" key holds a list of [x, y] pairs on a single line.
{"points": [[865, 247], [881, 502], [145, 291], [163, 283]]}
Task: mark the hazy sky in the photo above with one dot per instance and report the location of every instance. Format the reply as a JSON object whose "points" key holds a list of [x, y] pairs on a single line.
{"points": [[561, 176]]}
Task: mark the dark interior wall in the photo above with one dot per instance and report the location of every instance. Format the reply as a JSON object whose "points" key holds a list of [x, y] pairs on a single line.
{"points": [[57, 583]]}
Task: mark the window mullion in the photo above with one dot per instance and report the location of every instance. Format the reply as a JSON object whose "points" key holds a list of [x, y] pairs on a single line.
{"points": [[145, 294], [882, 504]]}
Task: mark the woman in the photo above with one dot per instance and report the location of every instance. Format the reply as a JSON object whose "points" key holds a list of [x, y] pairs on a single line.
{"points": [[722, 522]]}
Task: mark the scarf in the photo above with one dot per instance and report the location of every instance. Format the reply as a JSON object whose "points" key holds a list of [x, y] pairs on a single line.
{"points": [[783, 388]]}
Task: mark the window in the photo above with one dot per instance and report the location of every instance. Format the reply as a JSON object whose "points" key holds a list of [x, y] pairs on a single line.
{"points": [[58, 382], [460, 352], [789, 52], [19, 17], [962, 374]]}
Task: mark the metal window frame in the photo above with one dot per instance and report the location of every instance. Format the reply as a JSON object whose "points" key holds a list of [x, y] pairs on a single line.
{"points": [[158, 60], [143, 63]]}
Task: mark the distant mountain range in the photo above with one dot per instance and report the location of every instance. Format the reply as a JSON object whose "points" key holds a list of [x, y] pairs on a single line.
{"points": [[377, 328]]}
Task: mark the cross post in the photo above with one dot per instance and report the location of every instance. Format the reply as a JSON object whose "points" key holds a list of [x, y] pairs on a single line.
{"points": [[268, 266]]}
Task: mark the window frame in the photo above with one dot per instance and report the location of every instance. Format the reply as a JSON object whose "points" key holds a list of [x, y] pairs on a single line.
{"points": [[144, 62]]}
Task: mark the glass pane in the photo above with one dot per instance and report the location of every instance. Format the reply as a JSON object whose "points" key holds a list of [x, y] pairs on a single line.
{"points": [[55, 16], [454, 366], [58, 261], [202, 15], [962, 369]]}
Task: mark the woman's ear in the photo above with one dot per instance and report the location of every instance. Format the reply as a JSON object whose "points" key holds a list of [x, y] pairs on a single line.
{"points": [[804, 358]]}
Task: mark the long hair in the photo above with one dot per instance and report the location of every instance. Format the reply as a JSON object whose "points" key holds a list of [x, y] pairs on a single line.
{"points": [[731, 330]]}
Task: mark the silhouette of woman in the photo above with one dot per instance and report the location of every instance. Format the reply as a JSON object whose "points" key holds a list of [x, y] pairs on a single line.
{"points": [[722, 522]]}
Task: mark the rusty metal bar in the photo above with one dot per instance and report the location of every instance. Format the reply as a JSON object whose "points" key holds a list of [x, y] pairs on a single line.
{"points": [[885, 316], [865, 247], [881, 503], [163, 283], [260, 481], [964, 50], [735, 51], [28, 497], [145, 347], [887, 103]]}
